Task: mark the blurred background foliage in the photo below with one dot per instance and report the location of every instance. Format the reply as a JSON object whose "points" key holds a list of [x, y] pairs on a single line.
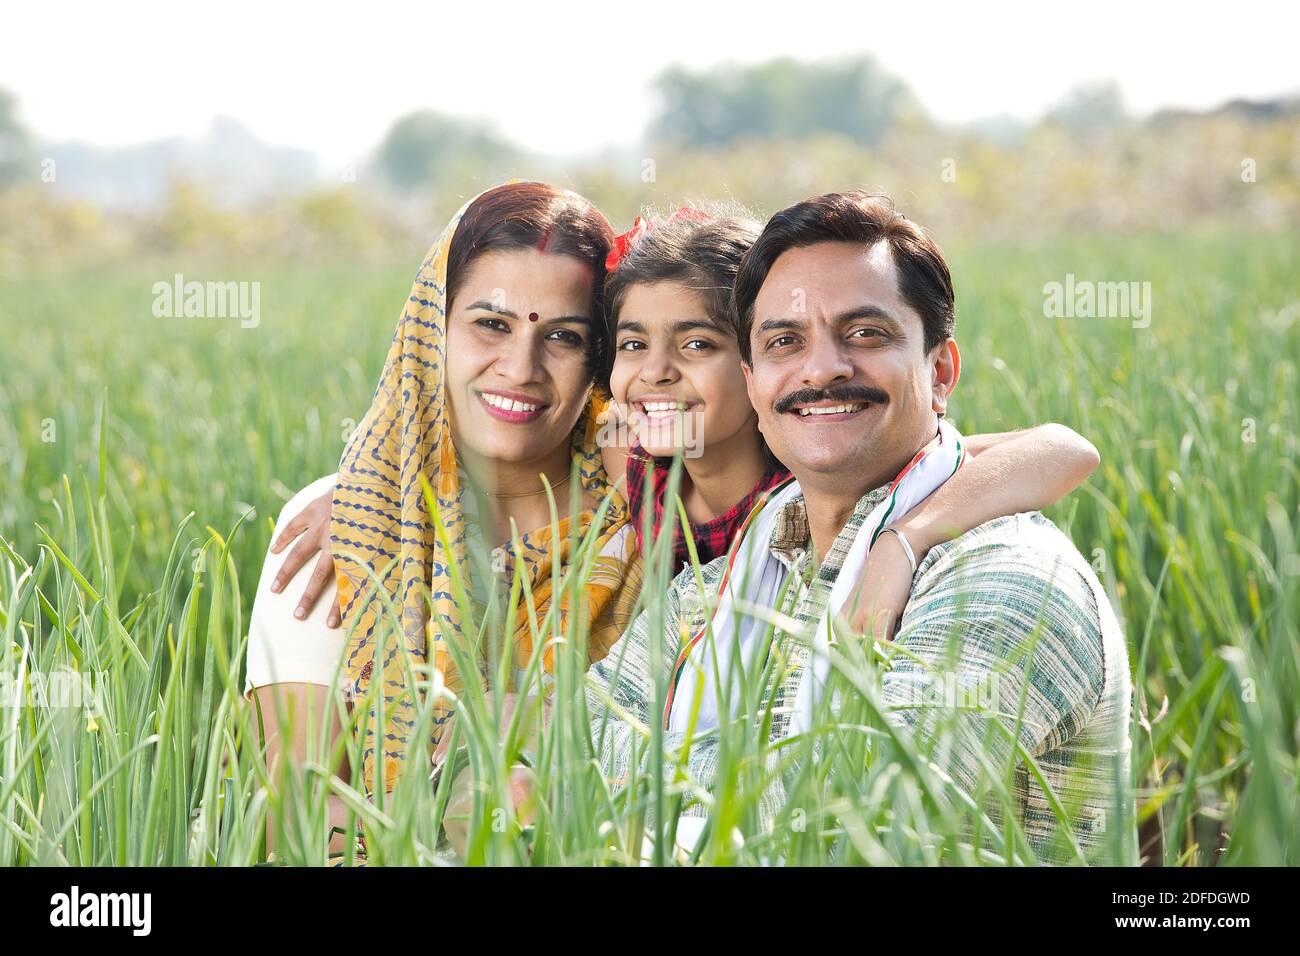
{"points": [[763, 135]]}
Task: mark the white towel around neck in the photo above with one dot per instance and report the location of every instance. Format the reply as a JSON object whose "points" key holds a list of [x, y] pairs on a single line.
{"points": [[737, 630]]}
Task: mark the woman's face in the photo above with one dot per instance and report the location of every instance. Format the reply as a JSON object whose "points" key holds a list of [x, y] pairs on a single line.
{"points": [[676, 374], [519, 331]]}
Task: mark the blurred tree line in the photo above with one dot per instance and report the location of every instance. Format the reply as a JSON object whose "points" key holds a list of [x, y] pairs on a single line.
{"points": [[781, 99], [763, 135]]}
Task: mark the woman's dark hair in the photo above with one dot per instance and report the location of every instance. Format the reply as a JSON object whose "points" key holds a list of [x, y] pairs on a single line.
{"points": [[549, 219], [700, 252], [861, 217]]}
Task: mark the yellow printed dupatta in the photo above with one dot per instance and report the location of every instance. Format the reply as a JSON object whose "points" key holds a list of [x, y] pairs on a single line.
{"points": [[381, 528]]}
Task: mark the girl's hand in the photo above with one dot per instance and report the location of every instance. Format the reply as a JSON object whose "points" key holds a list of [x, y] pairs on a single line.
{"points": [[460, 801], [876, 607], [312, 528], [460, 806], [1006, 474]]}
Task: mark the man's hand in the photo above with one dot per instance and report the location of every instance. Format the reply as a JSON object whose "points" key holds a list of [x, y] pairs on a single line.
{"points": [[312, 528], [876, 607]]}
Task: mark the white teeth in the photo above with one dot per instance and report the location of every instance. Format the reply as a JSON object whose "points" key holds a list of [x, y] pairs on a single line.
{"points": [[828, 410], [664, 406], [507, 404]]}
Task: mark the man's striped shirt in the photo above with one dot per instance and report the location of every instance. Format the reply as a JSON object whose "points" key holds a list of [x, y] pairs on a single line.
{"points": [[1008, 612]]}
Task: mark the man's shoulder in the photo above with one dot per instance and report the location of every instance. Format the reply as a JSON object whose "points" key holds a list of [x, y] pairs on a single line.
{"points": [[1018, 562], [1022, 575], [1029, 535]]}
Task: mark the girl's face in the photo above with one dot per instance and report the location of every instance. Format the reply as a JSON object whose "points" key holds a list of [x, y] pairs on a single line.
{"points": [[676, 374], [519, 331]]}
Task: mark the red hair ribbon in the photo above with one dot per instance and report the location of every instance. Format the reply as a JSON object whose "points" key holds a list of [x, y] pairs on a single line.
{"points": [[686, 212], [623, 243]]}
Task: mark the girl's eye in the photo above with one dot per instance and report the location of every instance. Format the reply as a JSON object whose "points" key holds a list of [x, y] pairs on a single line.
{"points": [[699, 345], [567, 336], [495, 325], [631, 345]]}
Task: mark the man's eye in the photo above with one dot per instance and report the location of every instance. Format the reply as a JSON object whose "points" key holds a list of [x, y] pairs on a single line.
{"points": [[781, 341], [868, 333]]}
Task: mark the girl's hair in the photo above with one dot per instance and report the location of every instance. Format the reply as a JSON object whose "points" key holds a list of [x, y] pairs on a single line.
{"points": [[701, 249], [549, 219]]}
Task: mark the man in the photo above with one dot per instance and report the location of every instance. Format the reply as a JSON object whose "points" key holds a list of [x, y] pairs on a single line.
{"points": [[846, 312]]}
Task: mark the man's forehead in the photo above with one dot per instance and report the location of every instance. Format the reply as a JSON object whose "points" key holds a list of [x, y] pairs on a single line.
{"points": [[830, 276]]}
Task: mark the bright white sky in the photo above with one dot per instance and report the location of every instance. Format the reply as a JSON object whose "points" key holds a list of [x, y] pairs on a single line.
{"points": [[564, 77]]}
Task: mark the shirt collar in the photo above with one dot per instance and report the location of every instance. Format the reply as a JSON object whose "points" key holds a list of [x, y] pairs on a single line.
{"points": [[791, 536]]}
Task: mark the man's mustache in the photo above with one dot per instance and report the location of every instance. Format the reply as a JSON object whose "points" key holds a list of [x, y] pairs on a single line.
{"points": [[836, 393]]}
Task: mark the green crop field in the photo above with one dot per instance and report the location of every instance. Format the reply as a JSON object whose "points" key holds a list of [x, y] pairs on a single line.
{"points": [[144, 460]]}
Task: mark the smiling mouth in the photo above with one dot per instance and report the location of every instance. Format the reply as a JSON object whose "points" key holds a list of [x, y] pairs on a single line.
{"points": [[510, 409], [660, 410], [819, 411]]}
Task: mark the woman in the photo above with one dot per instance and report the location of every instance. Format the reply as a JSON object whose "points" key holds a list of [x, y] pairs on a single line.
{"points": [[491, 392]]}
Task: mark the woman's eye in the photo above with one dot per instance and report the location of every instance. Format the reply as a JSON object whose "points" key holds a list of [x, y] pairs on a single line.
{"points": [[567, 336], [495, 325]]}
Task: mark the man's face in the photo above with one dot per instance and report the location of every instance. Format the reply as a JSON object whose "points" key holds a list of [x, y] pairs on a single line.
{"points": [[844, 389]]}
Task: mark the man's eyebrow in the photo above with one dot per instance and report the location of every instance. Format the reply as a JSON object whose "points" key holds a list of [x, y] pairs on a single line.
{"points": [[868, 312], [773, 325], [849, 315]]}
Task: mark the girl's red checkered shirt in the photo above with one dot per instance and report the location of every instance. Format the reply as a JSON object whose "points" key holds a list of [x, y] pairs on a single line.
{"points": [[712, 538]]}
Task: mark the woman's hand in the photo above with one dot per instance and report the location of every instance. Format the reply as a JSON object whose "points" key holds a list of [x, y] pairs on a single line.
{"points": [[883, 590], [312, 528]]}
